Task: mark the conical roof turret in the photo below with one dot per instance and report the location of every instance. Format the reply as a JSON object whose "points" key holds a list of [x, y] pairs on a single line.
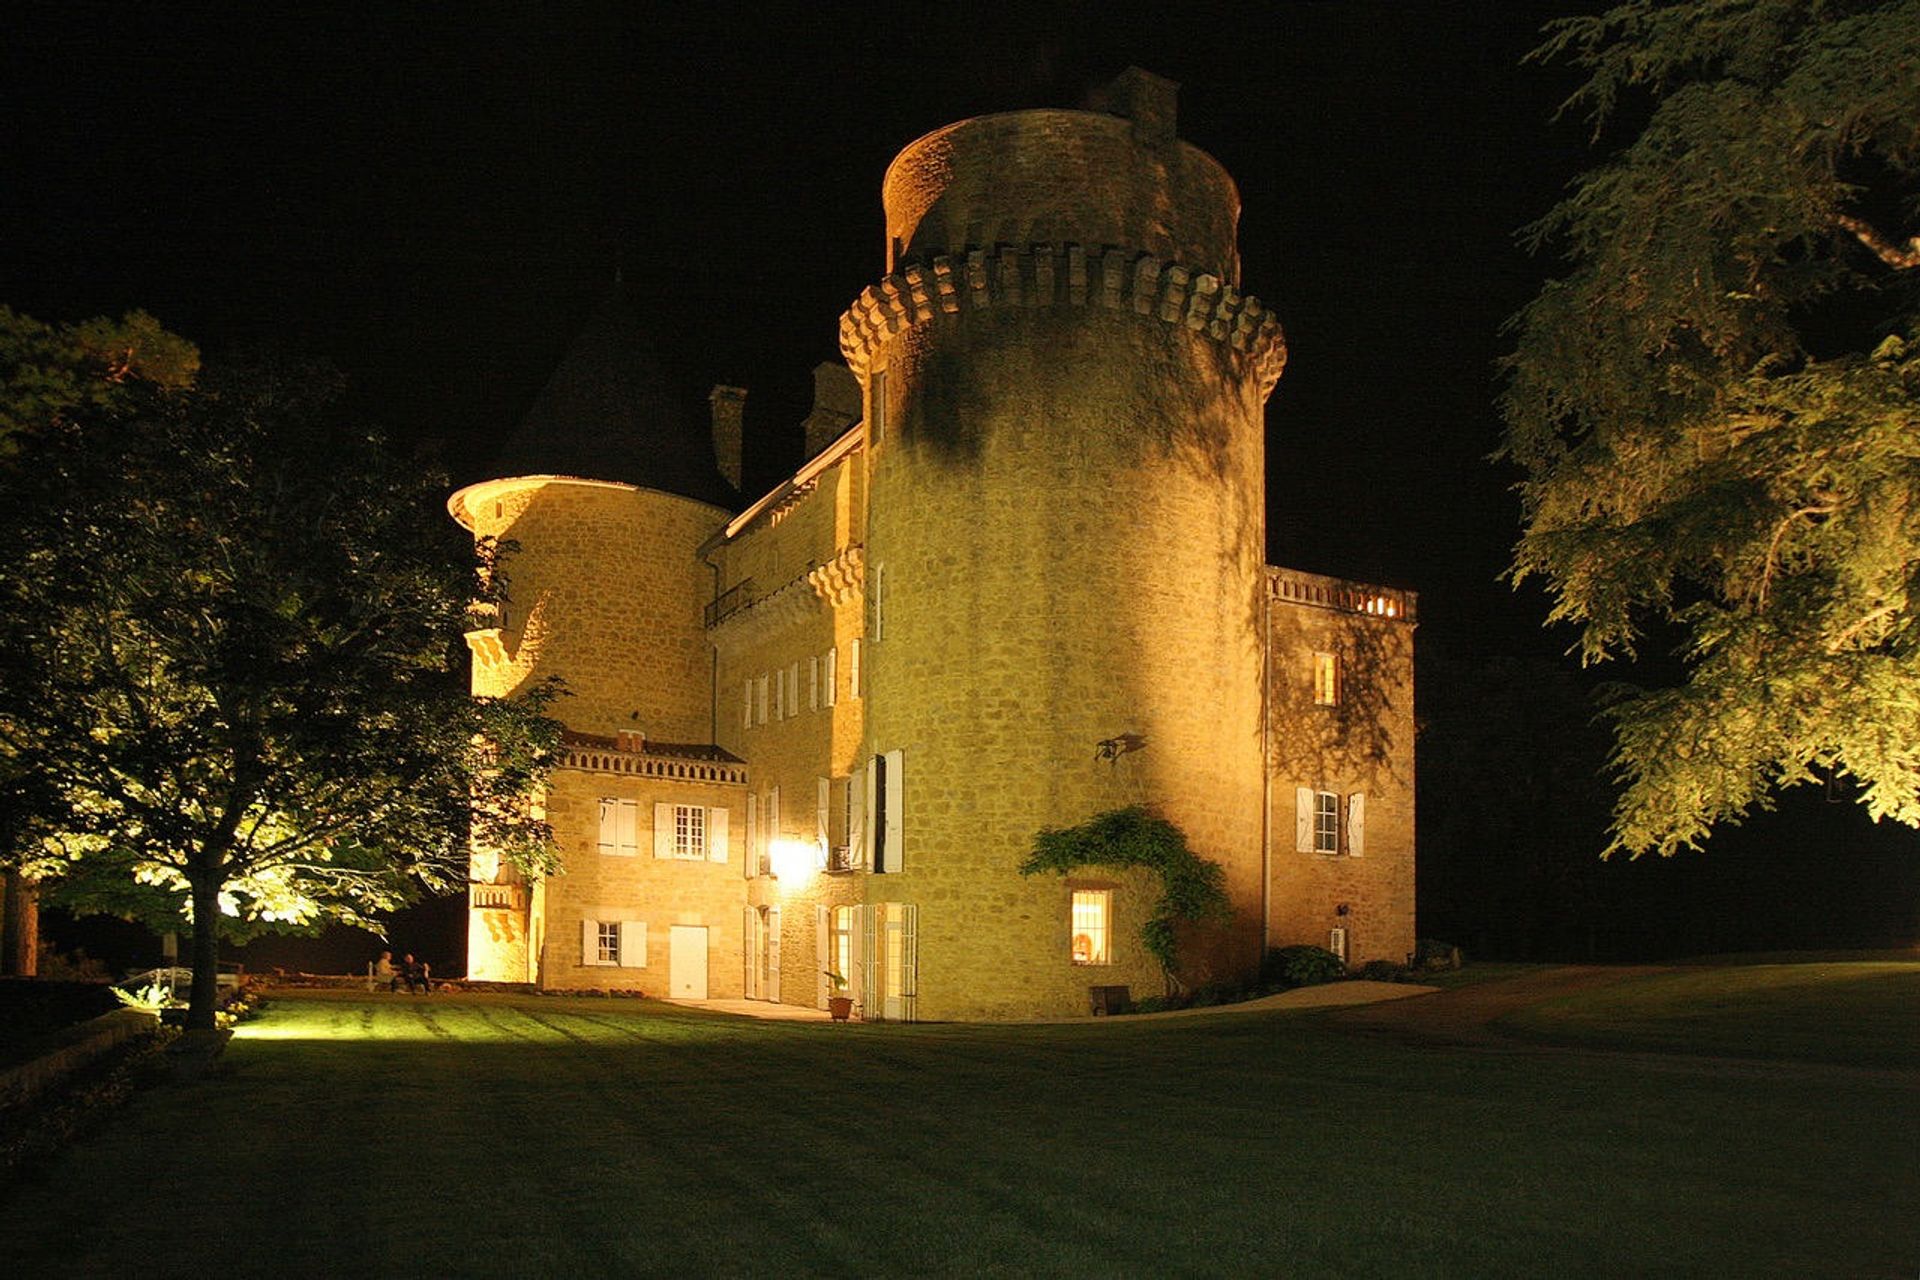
{"points": [[609, 413]]}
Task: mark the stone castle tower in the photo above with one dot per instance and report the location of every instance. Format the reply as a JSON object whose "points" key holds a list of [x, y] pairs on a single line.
{"points": [[1067, 532], [1018, 581]]}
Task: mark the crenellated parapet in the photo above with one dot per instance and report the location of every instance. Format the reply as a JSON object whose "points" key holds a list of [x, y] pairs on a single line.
{"points": [[1046, 275]]}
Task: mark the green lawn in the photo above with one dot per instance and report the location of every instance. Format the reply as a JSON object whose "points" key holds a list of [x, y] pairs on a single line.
{"points": [[1863, 1012], [376, 1136]]}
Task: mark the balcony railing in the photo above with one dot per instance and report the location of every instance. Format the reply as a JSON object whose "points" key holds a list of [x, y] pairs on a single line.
{"points": [[731, 601]]}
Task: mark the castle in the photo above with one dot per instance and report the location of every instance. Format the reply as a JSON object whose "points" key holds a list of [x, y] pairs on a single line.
{"points": [[1019, 580]]}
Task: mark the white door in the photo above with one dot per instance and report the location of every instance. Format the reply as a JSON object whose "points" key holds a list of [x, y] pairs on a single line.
{"points": [[687, 962]]}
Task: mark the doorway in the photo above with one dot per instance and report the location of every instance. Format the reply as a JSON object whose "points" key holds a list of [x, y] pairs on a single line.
{"points": [[687, 962]]}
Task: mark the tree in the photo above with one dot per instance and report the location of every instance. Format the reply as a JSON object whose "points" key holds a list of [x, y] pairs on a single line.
{"points": [[47, 372], [230, 658], [1717, 408], [1192, 888]]}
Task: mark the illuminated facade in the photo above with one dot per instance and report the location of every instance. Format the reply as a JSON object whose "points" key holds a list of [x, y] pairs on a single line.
{"points": [[1019, 580]]}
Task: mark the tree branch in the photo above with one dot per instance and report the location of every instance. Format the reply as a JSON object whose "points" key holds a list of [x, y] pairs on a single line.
{"points": [[1882, 248]]}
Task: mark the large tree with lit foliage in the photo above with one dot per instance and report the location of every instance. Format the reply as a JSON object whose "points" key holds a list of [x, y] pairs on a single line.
{"points": [[231, 667], [1717, 406]]}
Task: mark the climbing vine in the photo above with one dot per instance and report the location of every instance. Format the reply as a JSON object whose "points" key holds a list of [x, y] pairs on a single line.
{"points": [[1192, 888]]}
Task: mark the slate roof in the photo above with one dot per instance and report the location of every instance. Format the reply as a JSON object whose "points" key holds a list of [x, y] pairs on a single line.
{"points": [[610, 413]]}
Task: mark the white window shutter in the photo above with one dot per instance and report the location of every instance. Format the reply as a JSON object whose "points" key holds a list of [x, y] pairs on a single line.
{"points": [[853, 669], [879, 602], [1356, 824], [823, 808], [813, 683], [867, 963], [716, 835], [779, 693], [1337, 943], [857, 847], [832, 676], [633, 944], [589, 942], [746, 687], [1303, 819], [752, 853], [773, 954], [793, 689], [663, 830], [822, 961], [896, 809], [609, 825], [870, 843], [750, 948]]}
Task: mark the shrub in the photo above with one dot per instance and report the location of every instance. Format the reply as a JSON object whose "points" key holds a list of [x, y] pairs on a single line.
{"points": [[1431, 953], [1301, 966], [1382, 971]]}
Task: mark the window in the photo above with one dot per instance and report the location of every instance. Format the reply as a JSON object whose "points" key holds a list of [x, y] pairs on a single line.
{"points": [[840, 946], [690, 832], [780, 695], [832, 675], [619, 827], [1337, 943], [793, 690], [1326, 822], [885, 811], [614, 942], [813, 683], [746, 687], [879, 602], [1326, 680], [760, 699], [853, 669], [1092, 913]]}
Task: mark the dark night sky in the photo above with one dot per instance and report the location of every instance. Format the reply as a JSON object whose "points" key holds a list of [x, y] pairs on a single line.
{"points": [[434, 195]]}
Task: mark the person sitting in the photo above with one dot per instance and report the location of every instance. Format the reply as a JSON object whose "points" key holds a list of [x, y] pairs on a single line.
{"points": [[409, 973], [384, 972]]}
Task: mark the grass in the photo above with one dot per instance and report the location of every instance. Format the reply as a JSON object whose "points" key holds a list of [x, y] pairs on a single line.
{"points": [[1865, 1013], [374, 1135]]}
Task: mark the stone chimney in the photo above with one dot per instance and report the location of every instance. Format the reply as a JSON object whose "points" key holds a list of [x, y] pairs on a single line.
{"points": [[836, 405], [1150, 101], [729, 410]]}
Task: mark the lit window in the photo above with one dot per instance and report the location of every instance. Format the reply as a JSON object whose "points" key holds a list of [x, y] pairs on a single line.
{"points": [[1326, 679], [840, 946], [608, 935], [690, 832], [1326, 822], [1092, 909]]}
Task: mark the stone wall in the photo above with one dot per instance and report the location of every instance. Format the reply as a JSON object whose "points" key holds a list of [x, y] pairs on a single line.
{"points": [[1361, 744]]}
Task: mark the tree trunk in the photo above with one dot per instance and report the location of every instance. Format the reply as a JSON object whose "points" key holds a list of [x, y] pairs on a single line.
{"points": [[206, 949], [20, 927]]}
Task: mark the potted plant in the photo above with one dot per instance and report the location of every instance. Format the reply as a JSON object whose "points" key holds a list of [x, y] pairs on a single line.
{"points": [[839, 1003]]}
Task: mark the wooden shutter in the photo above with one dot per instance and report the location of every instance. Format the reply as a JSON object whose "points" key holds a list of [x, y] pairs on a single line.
{"points": [[716, 835], [858, 850], [779, 693], [896, 809], [633, 944], [746, 687], [909, 962], [832, 677], [750, 948], [853, 669], [589, 942], [609, 825], [823, 811], [662, 830], [821, 960], [773, 954], [793, 689], [879, 602], [1303, 819], [813, 683], [1356, 824], [876, 850], [1337, 943]]}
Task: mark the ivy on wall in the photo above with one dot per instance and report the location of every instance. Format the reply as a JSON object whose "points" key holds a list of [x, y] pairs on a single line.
{"points": [[1192, 888]]}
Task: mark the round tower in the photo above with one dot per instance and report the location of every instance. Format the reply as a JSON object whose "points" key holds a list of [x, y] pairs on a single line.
{"points": [[607, 495], [1065, 408]]}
